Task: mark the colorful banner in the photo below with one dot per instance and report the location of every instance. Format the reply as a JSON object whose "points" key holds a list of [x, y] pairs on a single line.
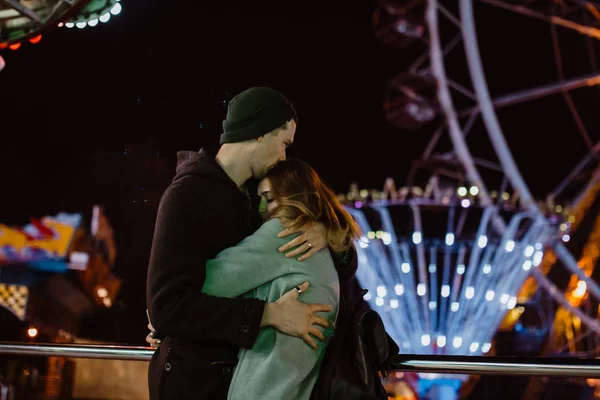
{"points": [[42, 244]]}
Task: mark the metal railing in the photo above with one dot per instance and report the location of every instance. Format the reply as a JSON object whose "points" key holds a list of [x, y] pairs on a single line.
{"points": [[78, 351], [476, 365]]}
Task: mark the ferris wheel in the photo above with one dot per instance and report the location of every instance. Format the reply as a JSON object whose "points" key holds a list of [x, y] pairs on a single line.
{"points": [[449, 292], [426, 92]]}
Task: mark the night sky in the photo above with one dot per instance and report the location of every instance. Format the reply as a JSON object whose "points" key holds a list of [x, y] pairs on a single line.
{"points": [[95, 116]]}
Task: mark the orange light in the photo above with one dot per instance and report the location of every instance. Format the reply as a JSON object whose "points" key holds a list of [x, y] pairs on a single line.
{"points": [[3, 45], [102, 292], [60, 24], [15, 46], [32, 332], [35, 40], [580, 291]]}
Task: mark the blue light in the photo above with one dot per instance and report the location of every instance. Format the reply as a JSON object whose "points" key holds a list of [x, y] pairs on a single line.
{"points": [[450, 293]]}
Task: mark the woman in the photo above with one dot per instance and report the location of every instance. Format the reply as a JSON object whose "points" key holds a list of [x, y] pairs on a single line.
{"points": [[281, 366]]}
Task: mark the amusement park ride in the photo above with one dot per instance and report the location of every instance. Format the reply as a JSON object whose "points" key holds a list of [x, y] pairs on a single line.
{"points": [[454, 261], [24, 22], [50, 244]]}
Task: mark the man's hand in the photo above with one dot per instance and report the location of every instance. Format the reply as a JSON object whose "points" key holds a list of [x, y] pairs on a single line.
{"points": [[153, 342], [312, 239], [294, 318]]}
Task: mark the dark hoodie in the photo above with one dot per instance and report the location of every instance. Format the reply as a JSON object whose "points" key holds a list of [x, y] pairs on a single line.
{"points": [[201, 213]]}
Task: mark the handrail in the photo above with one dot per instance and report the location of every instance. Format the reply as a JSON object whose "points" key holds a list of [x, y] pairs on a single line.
{"points": [[78, 351], [481, 365], [475, 365]]}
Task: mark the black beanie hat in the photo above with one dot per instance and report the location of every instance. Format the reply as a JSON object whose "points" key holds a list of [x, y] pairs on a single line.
{"points": [[254, 113]]}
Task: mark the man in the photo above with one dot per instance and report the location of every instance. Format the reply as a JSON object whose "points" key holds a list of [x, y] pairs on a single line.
{"points": [[208, 207]]}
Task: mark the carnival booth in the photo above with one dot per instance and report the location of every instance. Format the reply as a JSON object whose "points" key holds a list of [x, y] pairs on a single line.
{"points": [[54, 272]]}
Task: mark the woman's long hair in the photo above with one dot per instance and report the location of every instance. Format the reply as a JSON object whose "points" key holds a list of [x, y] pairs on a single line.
{"points": [[304, 199]]}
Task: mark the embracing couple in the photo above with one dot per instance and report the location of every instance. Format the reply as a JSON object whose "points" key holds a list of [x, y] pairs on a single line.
{"points": [[248, 256]]}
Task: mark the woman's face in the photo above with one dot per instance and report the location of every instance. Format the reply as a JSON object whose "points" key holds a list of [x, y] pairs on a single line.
{"points": [[267, 202]]}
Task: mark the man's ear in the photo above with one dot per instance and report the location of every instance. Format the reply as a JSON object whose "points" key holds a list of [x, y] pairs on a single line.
{"points": [[260, 138]]}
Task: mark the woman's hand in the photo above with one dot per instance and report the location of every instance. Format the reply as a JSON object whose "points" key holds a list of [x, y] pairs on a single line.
{"points": [[312, 239], [154, 343]]}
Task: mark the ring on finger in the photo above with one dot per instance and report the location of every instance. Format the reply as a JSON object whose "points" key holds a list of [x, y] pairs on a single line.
{"points": [[309, 244], [299, 290]]}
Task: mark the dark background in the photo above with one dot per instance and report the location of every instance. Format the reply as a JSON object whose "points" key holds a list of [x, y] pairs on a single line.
{"points": [[95, 116]]}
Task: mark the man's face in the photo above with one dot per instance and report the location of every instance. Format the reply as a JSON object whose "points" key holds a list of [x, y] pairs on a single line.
{"points": [[271, 149]]}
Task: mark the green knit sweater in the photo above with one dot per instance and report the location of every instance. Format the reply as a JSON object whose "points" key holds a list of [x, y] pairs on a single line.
{"points": [[278, 366]]}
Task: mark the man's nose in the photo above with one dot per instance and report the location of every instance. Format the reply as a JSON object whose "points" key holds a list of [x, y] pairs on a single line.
{"points": [[282, 158]]}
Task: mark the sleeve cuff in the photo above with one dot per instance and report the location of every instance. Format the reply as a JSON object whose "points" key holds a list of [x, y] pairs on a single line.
{"points": [[251, 318]]}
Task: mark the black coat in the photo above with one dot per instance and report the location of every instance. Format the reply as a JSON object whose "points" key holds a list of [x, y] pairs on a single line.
{"points": [[200, 214]]}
